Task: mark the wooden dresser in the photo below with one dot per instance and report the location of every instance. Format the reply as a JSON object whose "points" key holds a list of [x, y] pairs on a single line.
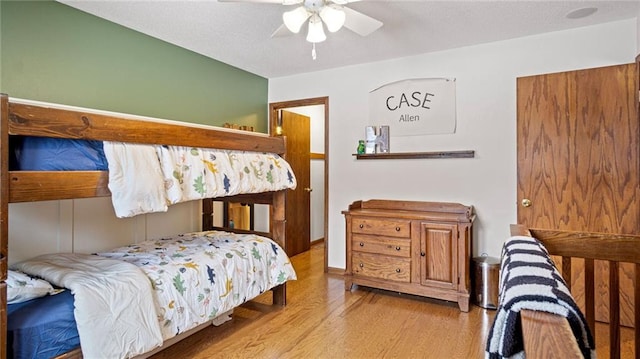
{"points": [[420, 248]]}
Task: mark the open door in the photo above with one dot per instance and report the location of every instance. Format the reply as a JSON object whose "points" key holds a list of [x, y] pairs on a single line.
{"points": [[297, 129], [318, 157]]}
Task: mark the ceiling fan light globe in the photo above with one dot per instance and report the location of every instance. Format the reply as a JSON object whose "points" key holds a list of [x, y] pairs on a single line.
{"points": [[294, 19], [333, 17], [316, 30]]}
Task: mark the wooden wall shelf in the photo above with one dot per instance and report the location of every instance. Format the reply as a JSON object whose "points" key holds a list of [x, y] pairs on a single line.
{"points": [[411, 155]]}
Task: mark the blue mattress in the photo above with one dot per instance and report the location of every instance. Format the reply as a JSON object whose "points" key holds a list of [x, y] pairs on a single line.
{"points": [[57, 154], [42, 328]]}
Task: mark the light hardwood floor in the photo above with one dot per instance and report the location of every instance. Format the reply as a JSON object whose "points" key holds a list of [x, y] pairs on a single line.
{"points": [[322, 320]]}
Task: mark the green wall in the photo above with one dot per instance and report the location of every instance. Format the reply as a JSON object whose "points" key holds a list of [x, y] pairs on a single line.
{"points": [[55, 53], [0, 45]]}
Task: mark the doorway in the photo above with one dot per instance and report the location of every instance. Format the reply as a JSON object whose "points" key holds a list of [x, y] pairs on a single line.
{"points": [[316, 157]]}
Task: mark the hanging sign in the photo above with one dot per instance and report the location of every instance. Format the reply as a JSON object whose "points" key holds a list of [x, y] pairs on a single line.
{"points": [[415, 106]]}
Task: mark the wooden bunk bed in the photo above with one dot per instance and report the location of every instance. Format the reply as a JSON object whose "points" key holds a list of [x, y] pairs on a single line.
{"points": [[20, 119], [547, 335]]}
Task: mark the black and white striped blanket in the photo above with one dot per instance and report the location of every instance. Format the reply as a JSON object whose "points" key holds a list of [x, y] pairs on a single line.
{"points": [[529, 280]]}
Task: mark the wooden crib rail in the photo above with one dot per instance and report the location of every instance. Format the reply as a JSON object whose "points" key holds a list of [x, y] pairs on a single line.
{"points": [[613, 248], [548, 335]]}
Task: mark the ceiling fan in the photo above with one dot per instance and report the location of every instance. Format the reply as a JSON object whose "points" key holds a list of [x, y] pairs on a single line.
{"points": [[320, 13]]}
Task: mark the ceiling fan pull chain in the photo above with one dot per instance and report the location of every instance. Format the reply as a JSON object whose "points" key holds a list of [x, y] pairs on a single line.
{"points": [[313, 51]]}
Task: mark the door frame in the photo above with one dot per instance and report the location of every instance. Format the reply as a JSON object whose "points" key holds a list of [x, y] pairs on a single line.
{"points": [[274, 107]]}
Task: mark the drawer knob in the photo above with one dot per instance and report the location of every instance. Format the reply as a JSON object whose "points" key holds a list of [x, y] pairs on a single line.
{"points": [[423, 254], [398, 270], [397, 229], [397, 248], [361, 226], [361, 244], [361, 265]]}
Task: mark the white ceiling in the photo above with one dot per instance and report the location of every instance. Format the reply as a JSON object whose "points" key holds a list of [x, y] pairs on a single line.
{"points": [[239, 33]]}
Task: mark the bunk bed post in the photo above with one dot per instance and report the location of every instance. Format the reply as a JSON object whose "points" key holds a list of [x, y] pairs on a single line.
{"points": [[4, 218], [278, 223], [207, 214]]}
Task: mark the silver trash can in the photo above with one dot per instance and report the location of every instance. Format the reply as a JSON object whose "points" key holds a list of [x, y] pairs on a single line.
{"points": [[486, 275]]}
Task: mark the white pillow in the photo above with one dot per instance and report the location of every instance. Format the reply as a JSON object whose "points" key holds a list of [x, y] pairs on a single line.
{"points": [[21, 287]]}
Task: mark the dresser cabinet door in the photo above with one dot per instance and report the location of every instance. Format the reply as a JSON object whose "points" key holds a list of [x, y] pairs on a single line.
{"points": [[438, 255]]}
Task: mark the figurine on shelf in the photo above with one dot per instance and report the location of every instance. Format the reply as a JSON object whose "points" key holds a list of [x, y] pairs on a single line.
{"points": [[361, 147], [370, 139], [382, 140]]}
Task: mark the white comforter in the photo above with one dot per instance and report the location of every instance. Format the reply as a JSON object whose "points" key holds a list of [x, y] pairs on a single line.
{"points": [[135, 179], [114, 306]]}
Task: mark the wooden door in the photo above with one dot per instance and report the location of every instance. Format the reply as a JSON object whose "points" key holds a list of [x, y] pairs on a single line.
{"points": [[297, 129], [438, 254], [578, 159]]}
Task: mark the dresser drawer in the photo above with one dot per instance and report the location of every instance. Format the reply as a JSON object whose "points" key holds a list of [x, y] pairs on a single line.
{"points": [[383, 267], [381, 227], [400, 247]]}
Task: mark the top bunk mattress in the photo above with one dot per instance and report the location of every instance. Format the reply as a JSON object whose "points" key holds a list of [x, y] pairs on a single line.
{"points": [[56, 154]]}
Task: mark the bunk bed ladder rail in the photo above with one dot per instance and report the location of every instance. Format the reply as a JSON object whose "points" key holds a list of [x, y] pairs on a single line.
{"points": [[4, 218]]}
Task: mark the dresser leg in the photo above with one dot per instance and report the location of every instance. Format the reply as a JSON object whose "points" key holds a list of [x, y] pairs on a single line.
{"points": [[463, 303], [348, 284]]}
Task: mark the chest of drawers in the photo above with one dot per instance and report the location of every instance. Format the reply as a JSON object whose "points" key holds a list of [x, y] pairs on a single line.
{"points": [[420, 248]]}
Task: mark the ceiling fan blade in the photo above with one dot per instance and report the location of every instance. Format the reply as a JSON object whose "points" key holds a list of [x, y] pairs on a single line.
{"points": [[281, 31], [343, 2], [360, 23], [282, 2], [255, 1]]}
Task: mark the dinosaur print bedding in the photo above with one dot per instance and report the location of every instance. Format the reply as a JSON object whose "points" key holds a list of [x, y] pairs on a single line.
{"points": [[196, 173], [149, 178], [197, 276]]}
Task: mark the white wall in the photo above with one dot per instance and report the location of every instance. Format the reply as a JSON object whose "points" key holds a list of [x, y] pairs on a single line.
{"points": [[89, 225], [638, 32], [486, 122]]}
